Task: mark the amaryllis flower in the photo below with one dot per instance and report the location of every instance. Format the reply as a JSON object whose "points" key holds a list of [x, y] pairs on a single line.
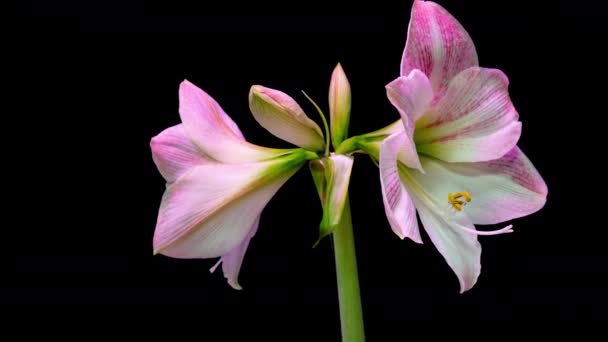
{"points": [[455, 159], [217, 183]]}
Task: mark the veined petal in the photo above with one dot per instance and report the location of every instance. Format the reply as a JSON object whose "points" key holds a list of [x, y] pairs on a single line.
{"points": [[337, 175], [437, 45], [398, 205], [208, 211], [281, 115], [174, 153], [212, 130], [474, 121], [232, 261], [411, 95], [460, 249], [500, 190]]}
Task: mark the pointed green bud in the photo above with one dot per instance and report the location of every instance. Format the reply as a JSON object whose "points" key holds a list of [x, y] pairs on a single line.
{"points": [[281, 115], [339, 106]]}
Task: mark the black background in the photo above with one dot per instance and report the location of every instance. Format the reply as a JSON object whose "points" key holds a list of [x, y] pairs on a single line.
{"points": [[92, 84]]}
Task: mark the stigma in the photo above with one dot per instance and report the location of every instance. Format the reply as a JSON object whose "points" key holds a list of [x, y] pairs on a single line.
{"points": [[459, 199]]}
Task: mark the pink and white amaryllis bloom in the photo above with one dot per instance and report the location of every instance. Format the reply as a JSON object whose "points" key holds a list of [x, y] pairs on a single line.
{"points": [[455, 161], [218, 183]]}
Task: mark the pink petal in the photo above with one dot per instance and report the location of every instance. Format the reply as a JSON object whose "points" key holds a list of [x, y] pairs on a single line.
{"points": [[232, 261], [210, 210], [460, 249], [174, 153], [474, 121], [501, 189], [212, 130], [398, 205], [437, 45], [411, 95]]}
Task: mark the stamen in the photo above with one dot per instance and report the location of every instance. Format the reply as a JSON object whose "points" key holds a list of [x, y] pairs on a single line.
{"points": [[212, 269], [505, 230], [457, 203]]}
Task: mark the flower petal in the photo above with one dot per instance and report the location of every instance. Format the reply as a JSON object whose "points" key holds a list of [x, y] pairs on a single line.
{"points": [[460, 249], [437, 45], [212, 130], [411, 95], [500, 190], [337, 175], [398, 205], [281, 115], [208, 211], [174, 153], [474, 121], [232, 261]]}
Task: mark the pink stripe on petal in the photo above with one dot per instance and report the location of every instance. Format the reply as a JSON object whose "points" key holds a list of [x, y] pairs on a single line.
{"points": [[437, 45], [475, 120], [398, 205], [500, 190], [463, 148], [411, 95], [520, 169]]}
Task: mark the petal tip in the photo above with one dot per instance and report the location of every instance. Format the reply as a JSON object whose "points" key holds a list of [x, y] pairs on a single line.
{"points": [[467, 284], [235, 284], [186, 84]]}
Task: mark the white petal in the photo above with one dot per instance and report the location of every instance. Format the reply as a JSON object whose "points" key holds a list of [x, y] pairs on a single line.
{"points": [[460, 249], [232, 261], [501, 190]]}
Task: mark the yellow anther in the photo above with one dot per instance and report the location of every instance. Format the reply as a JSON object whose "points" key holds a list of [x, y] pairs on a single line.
{"points": [[465, 195], [457, 203]]}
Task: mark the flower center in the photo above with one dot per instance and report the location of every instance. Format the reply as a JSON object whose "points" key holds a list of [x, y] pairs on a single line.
{"points": [[459, 199], [453, 199]]}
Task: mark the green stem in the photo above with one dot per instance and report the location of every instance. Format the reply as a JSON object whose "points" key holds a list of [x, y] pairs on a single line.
{"points": [[348, 146], [351, 315]]}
